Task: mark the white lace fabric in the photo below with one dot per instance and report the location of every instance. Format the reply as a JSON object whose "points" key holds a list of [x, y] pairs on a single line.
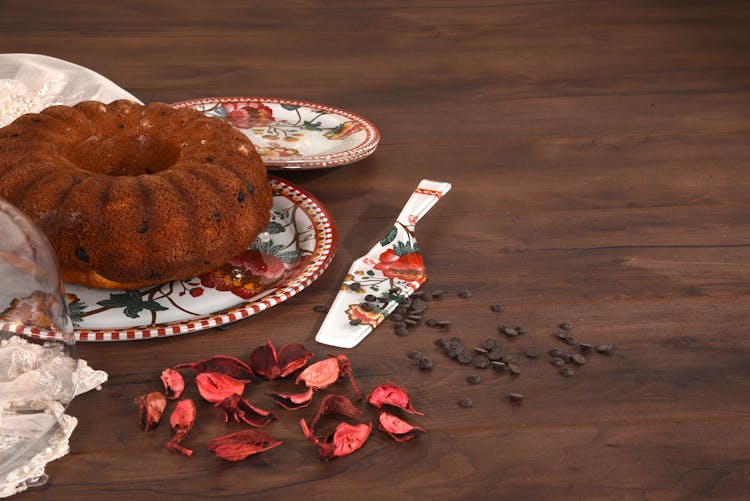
{"points": [[36, 382]]}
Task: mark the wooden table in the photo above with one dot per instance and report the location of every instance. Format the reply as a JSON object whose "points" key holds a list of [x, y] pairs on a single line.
{"points": [[598, 152]]}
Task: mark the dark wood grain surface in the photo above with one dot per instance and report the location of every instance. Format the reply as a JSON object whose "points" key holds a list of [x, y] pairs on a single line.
{"points": [[598, 152]]}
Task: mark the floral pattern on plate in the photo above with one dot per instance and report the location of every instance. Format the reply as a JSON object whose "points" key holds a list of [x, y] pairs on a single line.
{"points": [[295, 248], [293, 134]]}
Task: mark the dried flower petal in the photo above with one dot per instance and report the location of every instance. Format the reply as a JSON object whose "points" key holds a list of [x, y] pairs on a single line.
{"points": [[392, 394], [335, 404], [238, 446], [321, 375], [215, 387], [346, 439], [293, 402], [240, 409], [182, 421], [265, 361], [174, 384], [221, 364], [293, 356], [152, 406], [397, 428]]}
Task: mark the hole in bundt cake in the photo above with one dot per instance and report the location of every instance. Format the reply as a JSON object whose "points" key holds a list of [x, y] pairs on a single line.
{"points": [[124, 155]]}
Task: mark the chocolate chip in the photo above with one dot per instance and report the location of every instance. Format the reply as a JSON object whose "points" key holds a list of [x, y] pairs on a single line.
{"points": [[442, 323], [567, 371], [370, 298], [82, 256], [495, 354], [465, 402], [520, 330], [489, 344], [604, 348], [578, 359], [416, 355], [402, 332], [509, 331], [143, 228], [514, 397], [474, 379], [439, 342], [532, 352], [566, 326], [241, 196], [585, 348], [555, 352], [562, 335], [514, 369], [355, 286], [397, 317], [355, 321], [464, 358], [437, 293], [426, 363], [558, 362], [320, 308], [464, 294], [217, 215], [401, 325], [481, 361], [497, 308], [250, 188], [431, 322], [411, 322], [366, 306], [210, 160]]}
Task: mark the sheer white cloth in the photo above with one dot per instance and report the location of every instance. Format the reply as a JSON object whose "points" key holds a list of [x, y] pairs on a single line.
{"points": [[36, 382], [31, 82]]}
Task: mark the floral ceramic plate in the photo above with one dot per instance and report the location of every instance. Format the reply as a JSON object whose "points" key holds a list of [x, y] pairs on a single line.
{"points": [[293, 134], [296, 247]]}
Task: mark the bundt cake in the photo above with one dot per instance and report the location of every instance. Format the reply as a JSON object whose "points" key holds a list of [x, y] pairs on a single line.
{"points": [[132, 195]]}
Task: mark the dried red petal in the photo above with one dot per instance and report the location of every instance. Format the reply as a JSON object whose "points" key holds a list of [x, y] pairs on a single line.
{"points": [[335, 404], [221, 364], [265, 361], [173, 382], [293, 402], [321, 375], [182, 421], [215, 387], [346, 439], [240, 409], [392, 394], [397, 428], [346, 370], [152, 406], [291, 357], [238, 446]]}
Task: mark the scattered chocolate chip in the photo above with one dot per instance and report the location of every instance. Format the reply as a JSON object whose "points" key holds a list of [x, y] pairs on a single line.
{"points": [[355, 286], [414, 354], [442, 323], [425, 364], [481, 361], [532, 352], [514, 397], [474, 379], [481, 350], [401, 325], [414, 317], [465, 402], [439, 342], [585, 348], [514, 369], [555, 352], [418, 305], [397, 317], [320, 308], [355, 321], [520, 330], [497, 364], [241, 196], [370, 298], [497, 308], [411, 322], [401, 332], [82, 256], [464, 294], [437, 293], [510, 332], [431, 322], [566, 326], [604, 348], [570, 341], [489, 344], [578, 359], [495, 354], [567, 371], [366, 306], [563, 335], [558, 362], [464, 358]]}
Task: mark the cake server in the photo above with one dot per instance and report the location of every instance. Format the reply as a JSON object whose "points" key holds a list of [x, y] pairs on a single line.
{"points": [[378, 281]]}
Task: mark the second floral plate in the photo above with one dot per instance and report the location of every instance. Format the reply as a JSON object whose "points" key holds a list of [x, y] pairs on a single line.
{"points": [[291, 134], [295, 248]]}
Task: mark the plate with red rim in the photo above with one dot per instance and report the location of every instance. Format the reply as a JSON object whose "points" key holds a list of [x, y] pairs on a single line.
{"points": [[294, 250], [290, 134]]}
